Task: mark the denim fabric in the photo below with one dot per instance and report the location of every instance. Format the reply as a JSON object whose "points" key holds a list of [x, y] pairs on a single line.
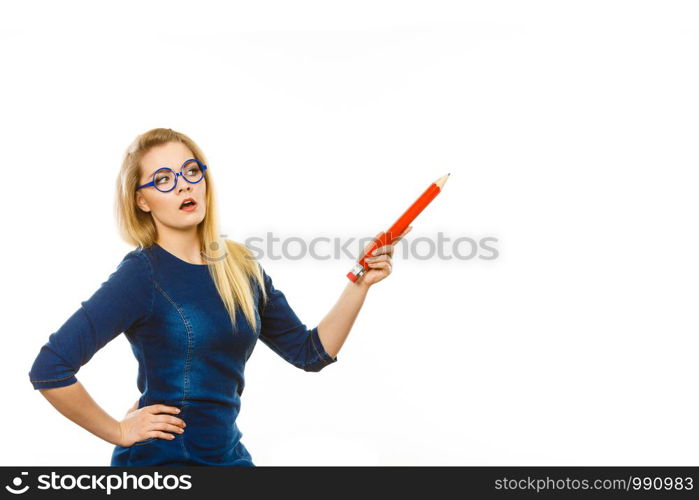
{"points": [[189, 354]]}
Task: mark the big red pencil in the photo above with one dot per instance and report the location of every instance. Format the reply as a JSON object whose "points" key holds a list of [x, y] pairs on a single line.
{"points": [[399, 226]]}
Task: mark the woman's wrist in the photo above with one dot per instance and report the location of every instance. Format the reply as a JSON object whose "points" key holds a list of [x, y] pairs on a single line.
{"points": [[362, 284], [116, 435]]}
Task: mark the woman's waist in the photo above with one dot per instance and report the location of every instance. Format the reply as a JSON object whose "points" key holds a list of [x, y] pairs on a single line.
{"points": [[177, 398], [201, 411], [156, 385]]}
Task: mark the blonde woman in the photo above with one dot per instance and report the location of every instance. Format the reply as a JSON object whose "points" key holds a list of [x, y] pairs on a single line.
{"points": [[192, 305]]}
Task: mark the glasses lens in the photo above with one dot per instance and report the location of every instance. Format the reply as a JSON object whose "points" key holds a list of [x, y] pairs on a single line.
{"points": [[164, 179], [192, 171]]}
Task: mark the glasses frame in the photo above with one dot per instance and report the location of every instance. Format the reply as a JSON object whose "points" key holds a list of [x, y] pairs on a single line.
{"points": [[176, 174]]}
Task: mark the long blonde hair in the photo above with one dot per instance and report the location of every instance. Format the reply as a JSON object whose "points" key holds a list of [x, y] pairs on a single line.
{"points": [[230, 264]]}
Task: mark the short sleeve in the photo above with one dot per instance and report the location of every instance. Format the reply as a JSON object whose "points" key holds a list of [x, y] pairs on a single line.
{"points": [[285, 334], [124, 300]]}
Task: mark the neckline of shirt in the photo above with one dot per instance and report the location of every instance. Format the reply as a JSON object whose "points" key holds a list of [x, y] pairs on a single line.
{"points": [[174, 257]]}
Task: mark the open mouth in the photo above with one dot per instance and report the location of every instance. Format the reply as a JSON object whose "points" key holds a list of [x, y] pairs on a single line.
{"points": [[188, 205]]}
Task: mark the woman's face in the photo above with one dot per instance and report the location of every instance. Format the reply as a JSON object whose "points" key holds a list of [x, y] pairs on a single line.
{"points": [[165, 207]]}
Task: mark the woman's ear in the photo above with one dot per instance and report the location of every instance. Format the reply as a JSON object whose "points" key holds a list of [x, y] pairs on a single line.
{"points": [[142, 203]]}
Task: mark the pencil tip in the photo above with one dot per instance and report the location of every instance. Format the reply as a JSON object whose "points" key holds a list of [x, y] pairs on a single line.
{"points": [[440, 182]]}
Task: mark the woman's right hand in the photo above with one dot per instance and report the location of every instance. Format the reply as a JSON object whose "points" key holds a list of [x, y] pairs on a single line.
{"points": [[147, 422]]}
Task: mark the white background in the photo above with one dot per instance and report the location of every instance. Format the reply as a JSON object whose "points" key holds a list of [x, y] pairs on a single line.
{"points": [[570, 131]]}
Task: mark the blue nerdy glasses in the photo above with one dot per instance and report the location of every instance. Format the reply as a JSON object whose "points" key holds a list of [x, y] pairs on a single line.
{"points": [[165, 179]]}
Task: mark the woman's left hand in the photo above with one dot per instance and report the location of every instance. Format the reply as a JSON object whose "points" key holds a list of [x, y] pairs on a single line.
{"points": [[380, 264]]}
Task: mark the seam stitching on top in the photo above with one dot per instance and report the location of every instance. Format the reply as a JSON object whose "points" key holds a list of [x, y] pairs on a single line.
{"points": [[189, 338]]}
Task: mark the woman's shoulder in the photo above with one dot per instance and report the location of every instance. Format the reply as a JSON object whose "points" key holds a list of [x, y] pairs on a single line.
{"points": [[138, 254], [135, 265], [130, 281]]}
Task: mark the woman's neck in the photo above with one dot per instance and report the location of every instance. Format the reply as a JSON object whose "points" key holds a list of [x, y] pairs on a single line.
{"points": [[186, 247]]}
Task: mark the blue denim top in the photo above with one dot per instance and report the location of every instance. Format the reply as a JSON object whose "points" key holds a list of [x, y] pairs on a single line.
{"points": [[189, 354]]}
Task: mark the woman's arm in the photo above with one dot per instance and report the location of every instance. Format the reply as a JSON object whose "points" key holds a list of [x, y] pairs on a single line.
{"points": [[75, 403], [334, 328], [151, 421], [122, 301], [283, 331]]}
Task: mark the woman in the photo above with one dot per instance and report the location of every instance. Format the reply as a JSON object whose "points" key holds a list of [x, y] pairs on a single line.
{"points": [[178, 297]]}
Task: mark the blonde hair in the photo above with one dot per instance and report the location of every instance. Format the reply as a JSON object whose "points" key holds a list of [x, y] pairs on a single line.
{"points": [[230, 264]]}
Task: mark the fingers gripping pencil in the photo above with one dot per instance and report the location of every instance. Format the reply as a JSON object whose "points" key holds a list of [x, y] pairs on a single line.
{"points": [[388, 237]]}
